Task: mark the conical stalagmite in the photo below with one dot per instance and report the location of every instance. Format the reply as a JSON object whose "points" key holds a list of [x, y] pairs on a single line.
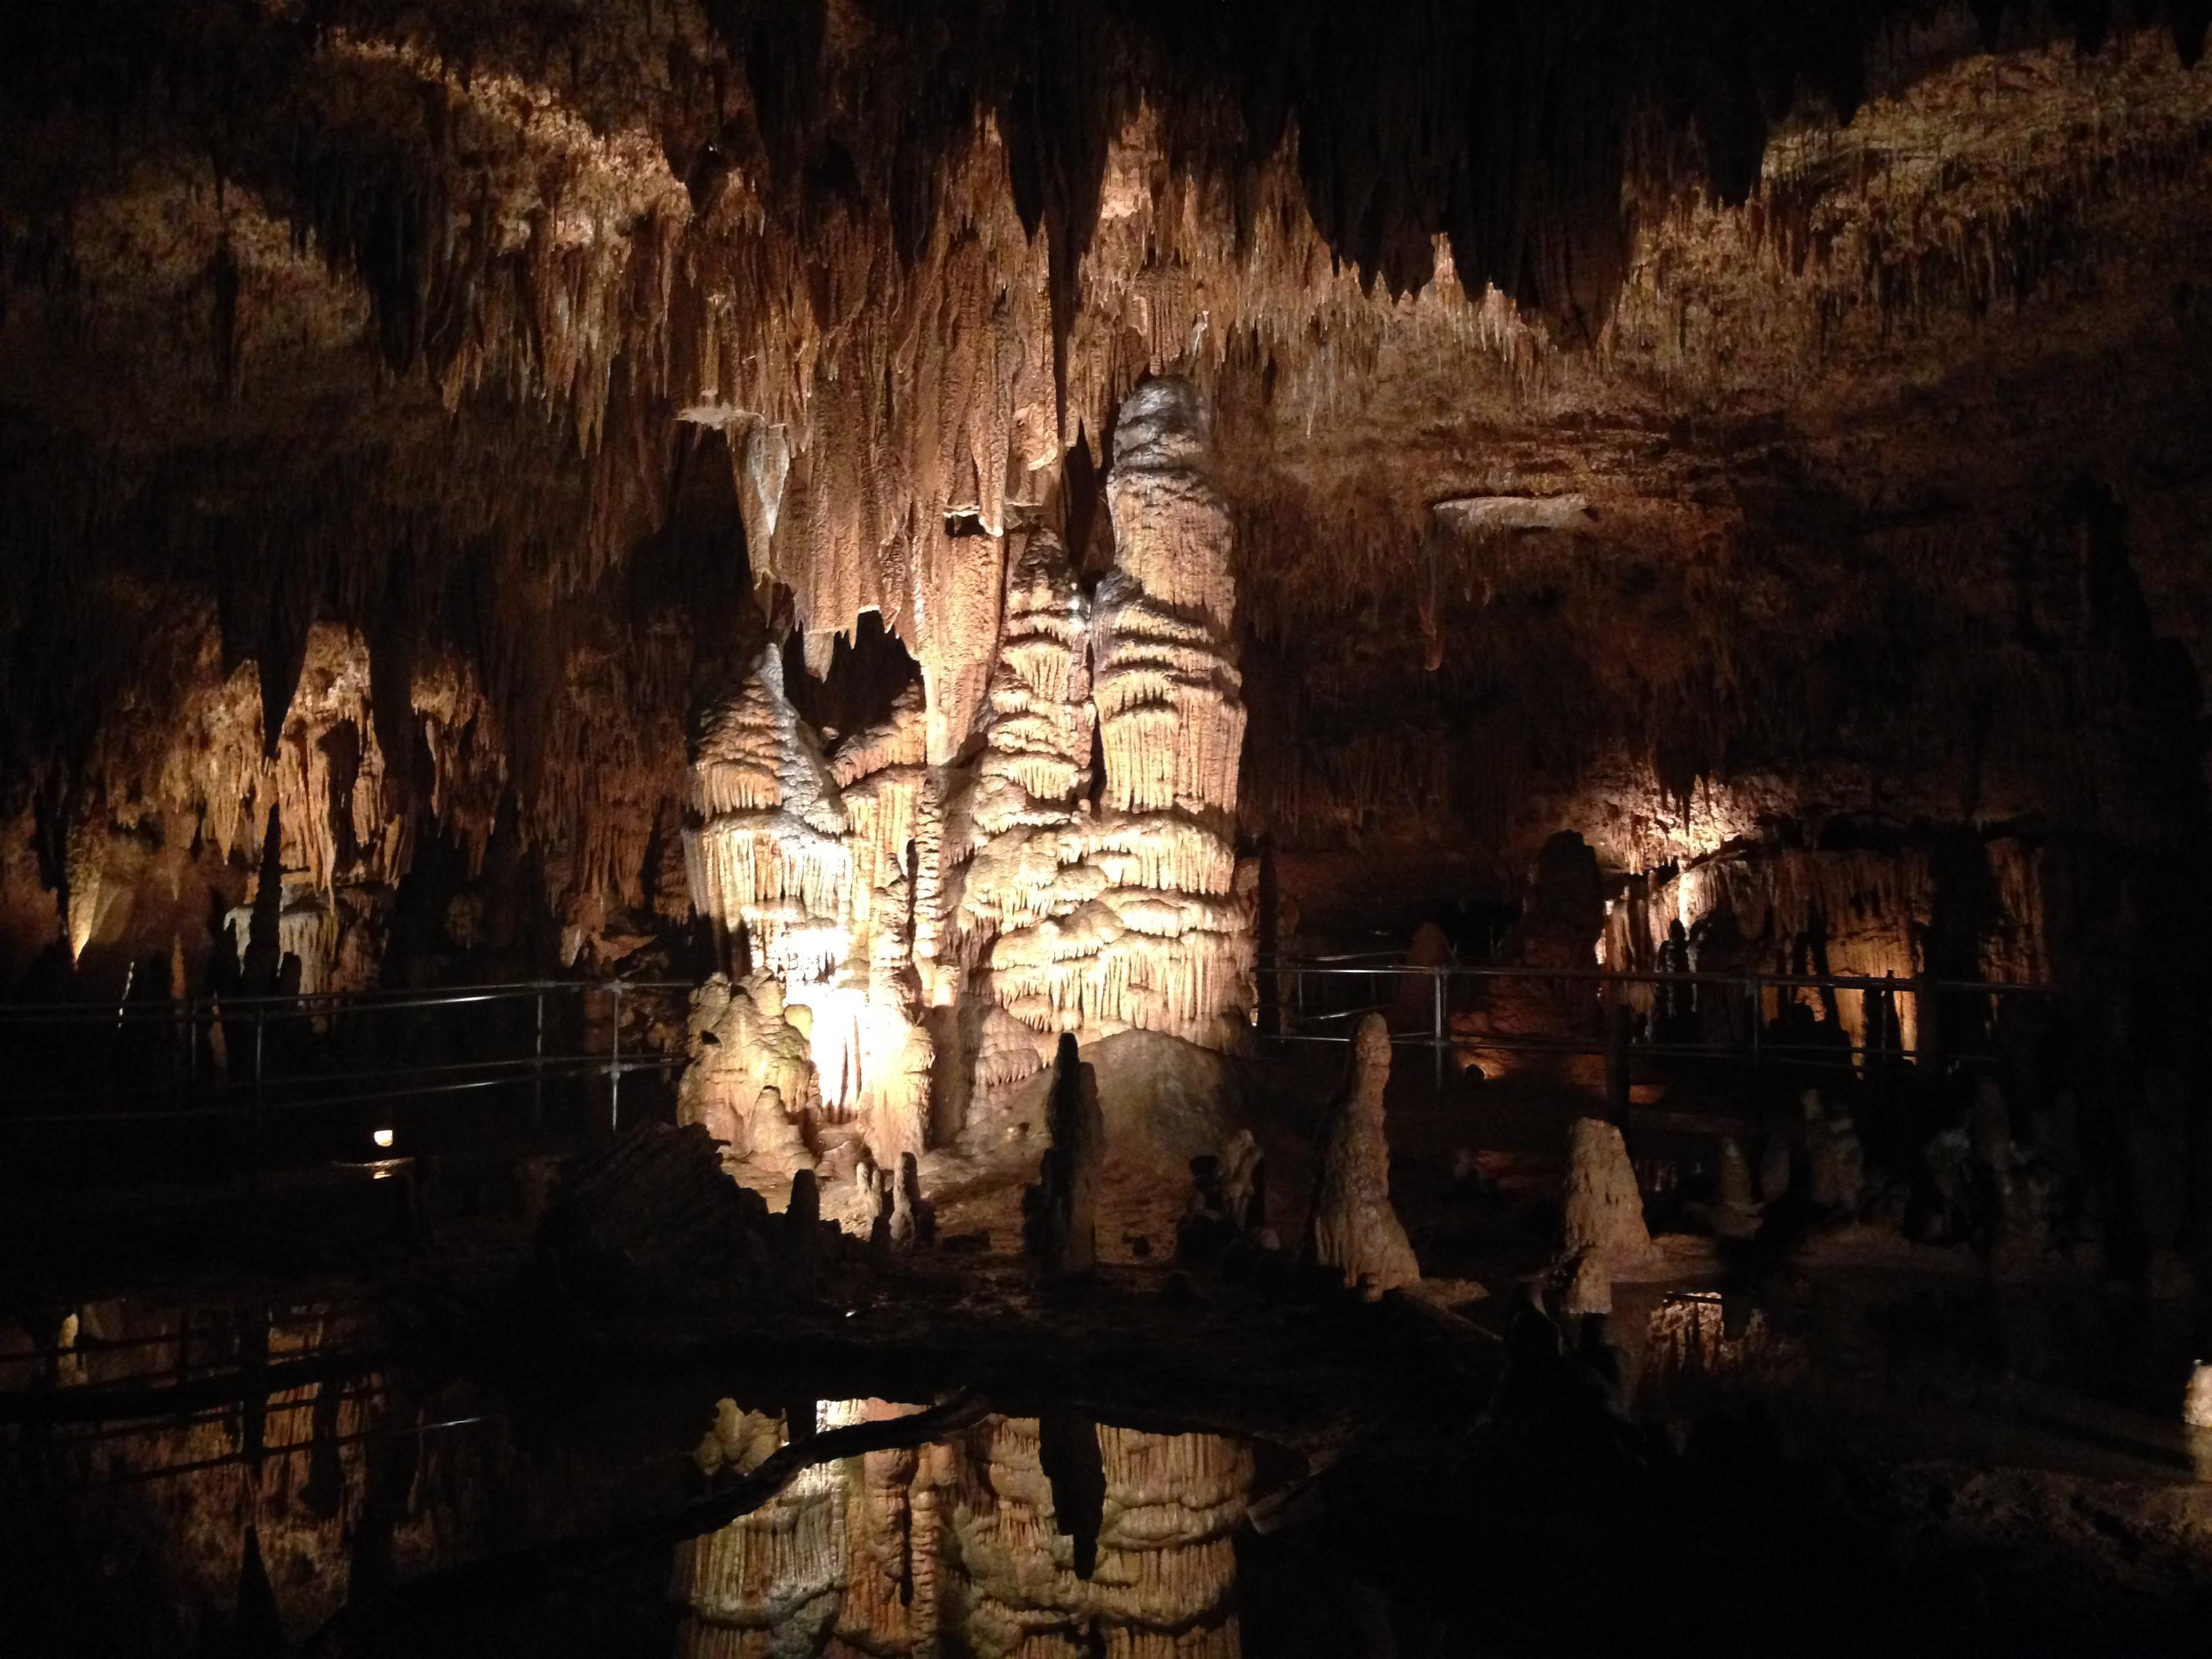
{"points": [[1604, 1208], [1354, 1228], [1735, 1209], [1062, 1218]]}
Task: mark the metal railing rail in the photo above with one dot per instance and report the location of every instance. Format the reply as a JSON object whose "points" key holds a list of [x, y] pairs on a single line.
{"points": [[207, 1059], [1614, 1034]]}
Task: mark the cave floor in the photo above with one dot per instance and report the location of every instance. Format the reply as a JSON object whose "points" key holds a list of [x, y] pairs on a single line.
{"points": [[1999, 1458]]}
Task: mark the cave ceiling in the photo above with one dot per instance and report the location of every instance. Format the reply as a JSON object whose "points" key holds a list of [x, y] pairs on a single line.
{"points": [[559, 350]]}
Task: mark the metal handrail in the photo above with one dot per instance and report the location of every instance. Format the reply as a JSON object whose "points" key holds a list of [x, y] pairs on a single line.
{"points": [[1319, 967], [525, 1069], [247, 1091], [1617, 1044], [216, 1006]]}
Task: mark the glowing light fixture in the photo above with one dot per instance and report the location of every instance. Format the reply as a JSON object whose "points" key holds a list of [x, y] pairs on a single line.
{"points": [[382, 1137]]}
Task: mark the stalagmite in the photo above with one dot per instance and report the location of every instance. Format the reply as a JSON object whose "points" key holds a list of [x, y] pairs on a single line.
{"points": [[914, 1218], [1735, 1209], [1353, 1229], [1026, 809], [1604, 1209], [886, 880], [1834, 1160], [1061, 1210], [809, 856]]}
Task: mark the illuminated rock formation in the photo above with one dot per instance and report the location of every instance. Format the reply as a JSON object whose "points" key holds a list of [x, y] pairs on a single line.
{"points": [[1228, 1202], [1166, 1562], [1353, 1229], [771, 1581], [1144, 925], [1025, 875], [1006, 1050], [809, 858], [768, 851], [849, 876], [750, 1080], [669, 362], [1588, 1288]]}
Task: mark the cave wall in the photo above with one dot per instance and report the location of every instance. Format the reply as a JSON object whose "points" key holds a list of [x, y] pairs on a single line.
{"points": [[1682, 445]]}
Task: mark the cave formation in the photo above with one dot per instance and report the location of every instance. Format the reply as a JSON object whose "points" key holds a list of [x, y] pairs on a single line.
{"points": [[941, 528]]}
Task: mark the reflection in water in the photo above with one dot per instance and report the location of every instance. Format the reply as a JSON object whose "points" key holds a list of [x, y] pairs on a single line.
{"points": [[310, 1474], [301, 1472], [959, 1547]]}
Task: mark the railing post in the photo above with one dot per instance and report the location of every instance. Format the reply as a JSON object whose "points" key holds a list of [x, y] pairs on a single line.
{"points": [[614, 1064], [1882, 1028], [1928, 1037], [1443, 1021], [253, 1122], [1756, 987], [1616, 1052], [537, 1070]]}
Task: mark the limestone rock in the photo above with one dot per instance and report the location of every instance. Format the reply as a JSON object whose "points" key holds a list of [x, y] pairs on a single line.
{"points": [[745, 1057], [739, 1440], [1604, 1209], [1244, 1182], [652, 1213], [768, 851], [1353, 1229], [1127, 916], [798, 1244], [1228, 1200]]}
